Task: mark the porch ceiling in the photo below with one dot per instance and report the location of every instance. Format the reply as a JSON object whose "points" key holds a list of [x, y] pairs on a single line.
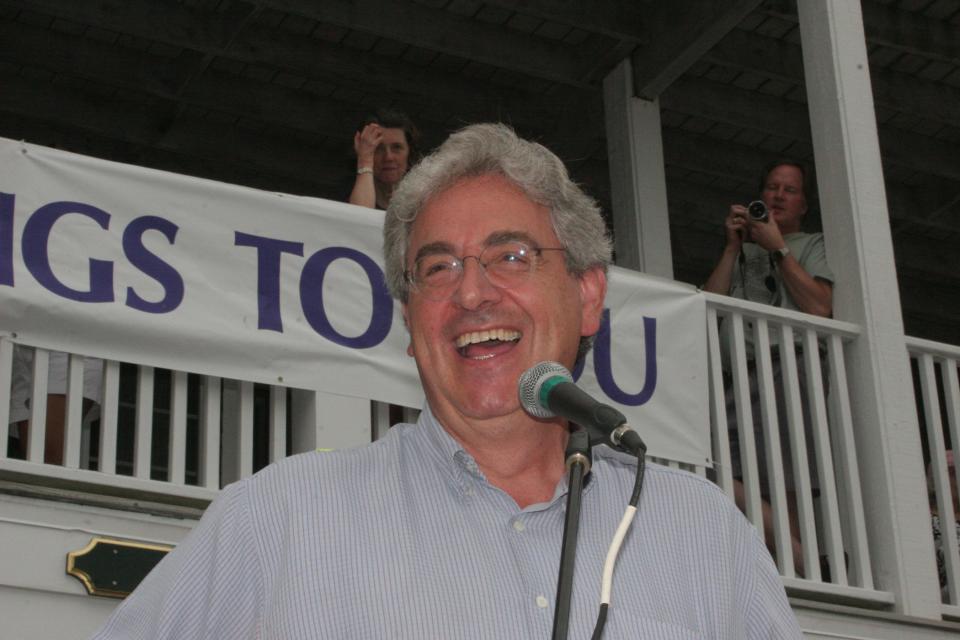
{"points": [[267, 93]]}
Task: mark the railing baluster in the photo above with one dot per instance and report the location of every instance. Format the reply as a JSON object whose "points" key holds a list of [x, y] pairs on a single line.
{"points": [[951, 395], [798, 449], [380, 415], [845, 448], [745, 427], [824, 458], [774, 452], [718, 408], [36, 441], [143, 429], [6, 384], [939, 471], [73, 416], [278, 423], [209, 454], [178, 428], [109, 415], [245, 441]]}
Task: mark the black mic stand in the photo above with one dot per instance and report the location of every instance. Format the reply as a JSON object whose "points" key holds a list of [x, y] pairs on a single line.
{"points": [[578, 460]]}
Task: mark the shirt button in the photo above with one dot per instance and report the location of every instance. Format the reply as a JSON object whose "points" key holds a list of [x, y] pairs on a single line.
{"points": [[518, 525], [542, 602]]}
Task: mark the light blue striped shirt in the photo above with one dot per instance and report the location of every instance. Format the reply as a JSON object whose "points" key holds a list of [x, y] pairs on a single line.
{"points": [[404, 538]]}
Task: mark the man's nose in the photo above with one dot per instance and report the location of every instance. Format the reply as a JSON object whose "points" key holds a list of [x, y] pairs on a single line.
{"points": [[475, 290]]}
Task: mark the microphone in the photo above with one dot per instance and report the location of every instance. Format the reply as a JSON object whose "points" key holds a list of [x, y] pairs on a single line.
{"points": [[547, 390]]}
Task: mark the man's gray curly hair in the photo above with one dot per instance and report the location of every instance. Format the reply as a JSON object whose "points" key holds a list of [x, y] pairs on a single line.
{"points": [[485, 149]]}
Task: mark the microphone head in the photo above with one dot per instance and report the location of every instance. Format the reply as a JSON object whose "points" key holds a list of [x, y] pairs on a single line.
{"points": [[532, 381]]}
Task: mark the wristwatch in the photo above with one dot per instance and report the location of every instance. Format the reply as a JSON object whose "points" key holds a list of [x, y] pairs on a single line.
{"points": [[781, 253]]}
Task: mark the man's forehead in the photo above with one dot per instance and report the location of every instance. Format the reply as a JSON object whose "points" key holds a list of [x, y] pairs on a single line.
{"points": [[476, 212], [786, 171]]}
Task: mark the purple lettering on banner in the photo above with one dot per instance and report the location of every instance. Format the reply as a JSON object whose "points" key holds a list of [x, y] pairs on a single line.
{"points": [[604, 368], [140, 257], [6, 238], [36, 235], [311, 298], [269, 251]]}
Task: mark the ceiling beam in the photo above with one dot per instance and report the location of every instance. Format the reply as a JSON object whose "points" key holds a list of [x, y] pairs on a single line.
{"points": [[208, 32], [778, 116], [612, 18], [741, 163], [156, 20], [782, 61], [738, 107], [444, 31], [680, 33], [270, 151], [908, 31], [469, 99]]}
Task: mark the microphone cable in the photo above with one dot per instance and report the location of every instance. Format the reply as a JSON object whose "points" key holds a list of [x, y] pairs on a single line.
{"points": [[613, 552], [547, 390]]}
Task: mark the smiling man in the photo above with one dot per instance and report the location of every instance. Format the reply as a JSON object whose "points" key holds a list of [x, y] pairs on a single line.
{"points": [[451, 528]]}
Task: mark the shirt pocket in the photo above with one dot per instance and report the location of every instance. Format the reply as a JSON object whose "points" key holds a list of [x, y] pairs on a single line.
{"points": [[622, 625]]}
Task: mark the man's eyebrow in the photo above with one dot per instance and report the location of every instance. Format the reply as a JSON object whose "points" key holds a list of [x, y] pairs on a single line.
{"points": [[432, 249], [495, 238]]}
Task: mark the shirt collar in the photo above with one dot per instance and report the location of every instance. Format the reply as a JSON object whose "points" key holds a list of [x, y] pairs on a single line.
{"points": [[452, 457], [446, 450]]}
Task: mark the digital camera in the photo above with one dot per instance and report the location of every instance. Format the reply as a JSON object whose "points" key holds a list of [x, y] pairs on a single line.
{"points": [[758, 211]]}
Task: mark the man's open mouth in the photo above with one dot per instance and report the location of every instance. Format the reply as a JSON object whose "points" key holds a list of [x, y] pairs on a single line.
{"points": [[481, 345]]}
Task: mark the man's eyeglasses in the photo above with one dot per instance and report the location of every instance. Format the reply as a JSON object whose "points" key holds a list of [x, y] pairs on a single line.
{"points": [[506, 265]]}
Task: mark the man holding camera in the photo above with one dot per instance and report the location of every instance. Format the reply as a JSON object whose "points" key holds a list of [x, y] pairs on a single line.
{"points": [[767, 258]]}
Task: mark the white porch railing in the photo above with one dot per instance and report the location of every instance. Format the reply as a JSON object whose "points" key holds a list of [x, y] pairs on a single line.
{"points": [[803, 494], [176, 442], [178, 438], [938, 397]]}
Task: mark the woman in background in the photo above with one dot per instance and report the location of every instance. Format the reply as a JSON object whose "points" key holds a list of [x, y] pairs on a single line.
{"points": [[385, 144]]}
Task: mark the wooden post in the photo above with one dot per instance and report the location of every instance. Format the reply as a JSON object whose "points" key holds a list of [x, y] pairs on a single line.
{"points": [[860, 250], [637, 180]]}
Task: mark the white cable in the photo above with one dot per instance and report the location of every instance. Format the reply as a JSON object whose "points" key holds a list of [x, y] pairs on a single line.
{"points": [[621, 532]]}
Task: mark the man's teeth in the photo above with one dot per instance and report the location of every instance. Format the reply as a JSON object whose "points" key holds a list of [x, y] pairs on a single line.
{"points": [[483, 336]]}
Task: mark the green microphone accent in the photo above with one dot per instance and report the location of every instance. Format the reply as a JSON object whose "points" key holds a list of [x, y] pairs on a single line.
{"points": [[547, 386]]}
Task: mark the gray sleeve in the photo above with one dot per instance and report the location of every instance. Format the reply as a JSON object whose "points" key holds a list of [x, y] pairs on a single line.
{"points": [[813, 258], [209, 587]]}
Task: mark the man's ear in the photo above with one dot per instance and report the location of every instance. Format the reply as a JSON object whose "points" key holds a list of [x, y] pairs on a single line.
{"points": [[406, 323], [593, 291]]}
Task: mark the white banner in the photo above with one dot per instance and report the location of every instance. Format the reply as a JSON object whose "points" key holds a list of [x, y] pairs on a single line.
{"points": [[142, 266]]}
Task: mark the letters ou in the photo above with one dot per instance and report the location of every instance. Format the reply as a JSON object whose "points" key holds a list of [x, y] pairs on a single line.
{"points": [[603, 367], [36, 236]]}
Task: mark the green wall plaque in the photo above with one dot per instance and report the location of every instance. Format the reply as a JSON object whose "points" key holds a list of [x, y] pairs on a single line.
{"points": [[114, 568]]}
